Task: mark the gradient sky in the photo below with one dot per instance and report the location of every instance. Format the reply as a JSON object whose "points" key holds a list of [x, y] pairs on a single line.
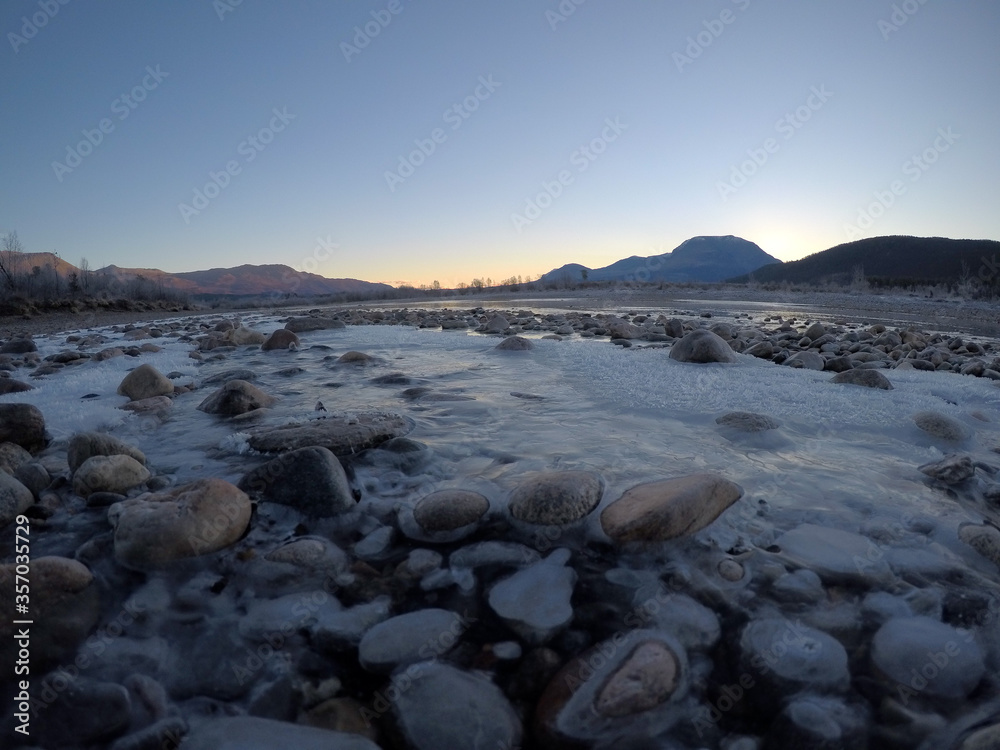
{"points": [[699, 92]]}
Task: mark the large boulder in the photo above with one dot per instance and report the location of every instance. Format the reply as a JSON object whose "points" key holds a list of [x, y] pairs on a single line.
{"points": [[22, 424], [343, 435], [83, 445], [279, 340], [115, 473], [702, 347], [194, 519], [657, 511], [236, 397], [310, 479], [145, 381]]}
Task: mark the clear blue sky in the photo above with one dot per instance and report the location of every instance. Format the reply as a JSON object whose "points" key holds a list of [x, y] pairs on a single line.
{"points": [[633, 113]]}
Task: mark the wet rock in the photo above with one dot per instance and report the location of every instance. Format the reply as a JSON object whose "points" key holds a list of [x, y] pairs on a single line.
{"points": [[252, 733], [86, 712], [340, 435], [786, 657], [12, 457], [514, 344], [285, 615], [625, 690], [310, 479], [863, 377], [225, 377], [24, 425], [18, 345], [694, 625], [194, 519], [821, 722], [492, 552], [344, 630], [556, 498], [145, 381], [65, 606], [657, 511], [496, 324], [815, 331], [952, 469], [9, 385], [305, 324], [834, 555], [941, 426], [355, 358], [983, 539], [117, 473], [84, 445], [34, 476], [243, 336], [703, 347], [535, 601], [281, 339], [746, 421], [438, 706], [15, 499], [236, 397], [310, 552], [761, 350], [806, 361], [448, 510], [147, 405], [406, 639], [921, 656]]}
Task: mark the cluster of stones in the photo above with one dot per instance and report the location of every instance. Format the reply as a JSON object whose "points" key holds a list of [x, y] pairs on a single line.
{"points": [[461, 620]]}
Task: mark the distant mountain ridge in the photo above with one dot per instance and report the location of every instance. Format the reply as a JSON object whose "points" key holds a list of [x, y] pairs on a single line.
{"points": [[906, 259], [697, 259]]}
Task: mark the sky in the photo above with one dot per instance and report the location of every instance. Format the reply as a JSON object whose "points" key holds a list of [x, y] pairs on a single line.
{"points": [[418, 140]]}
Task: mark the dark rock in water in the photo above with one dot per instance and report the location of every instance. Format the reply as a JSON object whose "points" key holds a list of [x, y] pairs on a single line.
{"points": [[702, 347], [393, 378], [34, 476], [514, 344], [952, 469], [863, 377], [836, 556], [657, 511], [557, 497], [355, 358], [406, 639], [304, 324], [236, 397], [310, 479], [22, 345], [85, 712], [746, 421], [12, 457], [448, 510], [22, 424], [116, 473], [626, 690], [83, 445], [225, 377], [280, 339], [821, 722], [9, 385], [145, 381], [341, 435], [535, 601], [941, 426], [927, 658], [252, 733], [983, 539], [437, 706]]}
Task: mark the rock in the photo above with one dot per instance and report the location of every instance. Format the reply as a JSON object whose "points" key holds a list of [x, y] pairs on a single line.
{"points": [[355, 358], [821, 722], [280, 339], [406, 639], [22, 424], [302, 325], [437, 706], [65, 606], [84, 713], [145, 381], [20, 345], [84, 445], [624, 690], [344, 630], [15, 499], [746, 421], [983, 539], [863, 377], [514, 344], [941, 426], [226, 376], [448, 510], [236, 397], [9, 385], [836, 556], [657, 511], [815, 331], [806, 361], [786, 657], [194, 519], [556, 498], [493, 553], [12, 457], [265, 619], [151, 404], [252, 733], [34, 476], [117, 473], [243, 336], [310, 479], [702, 346], [952, 469], [342, 436], [497, 324], [925, 657], [761, 350], [535, 601]]}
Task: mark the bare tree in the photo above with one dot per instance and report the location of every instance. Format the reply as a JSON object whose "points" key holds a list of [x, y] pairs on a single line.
{"points": [[10, 259]]}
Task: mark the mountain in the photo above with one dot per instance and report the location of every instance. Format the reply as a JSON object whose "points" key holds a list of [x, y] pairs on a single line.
{"points": [[697, 259], [903, 260]]}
